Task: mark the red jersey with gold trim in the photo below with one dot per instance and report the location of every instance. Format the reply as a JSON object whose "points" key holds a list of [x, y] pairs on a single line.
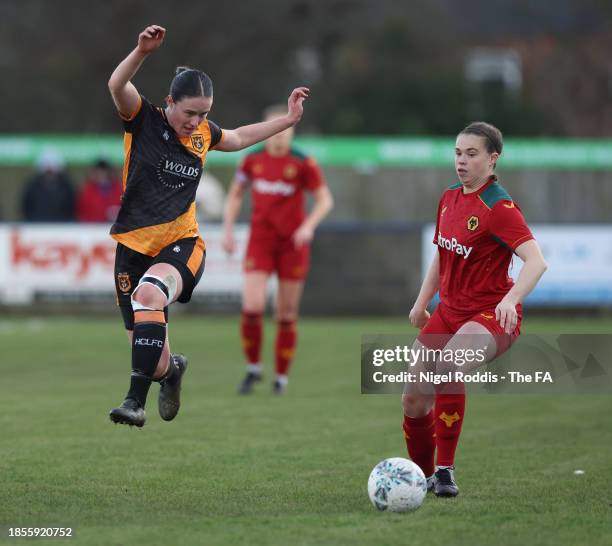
{"points": [[477, 234], [161, 173], [277, 190]]}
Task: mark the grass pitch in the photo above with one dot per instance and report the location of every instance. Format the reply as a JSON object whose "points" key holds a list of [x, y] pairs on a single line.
{"points": [[278, 470]]}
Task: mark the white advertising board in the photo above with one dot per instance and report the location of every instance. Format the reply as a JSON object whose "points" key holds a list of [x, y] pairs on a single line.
{"points": [[579, 259], [79, 259]]}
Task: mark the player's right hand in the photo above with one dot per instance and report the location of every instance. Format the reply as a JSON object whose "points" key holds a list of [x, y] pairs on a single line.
{"points": [[151, 38], [229, 243], [295, 104], [419, 317]]}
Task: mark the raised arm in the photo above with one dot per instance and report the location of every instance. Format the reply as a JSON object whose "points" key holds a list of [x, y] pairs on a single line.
{"points": [[125, 95], [243, 137]]}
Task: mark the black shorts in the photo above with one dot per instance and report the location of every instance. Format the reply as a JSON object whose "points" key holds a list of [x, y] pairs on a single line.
{"points": [[187, 255]]}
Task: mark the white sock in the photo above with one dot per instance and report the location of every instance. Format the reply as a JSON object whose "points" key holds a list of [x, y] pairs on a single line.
{"points": [[438, 467], [282, 379], [254, 368]]}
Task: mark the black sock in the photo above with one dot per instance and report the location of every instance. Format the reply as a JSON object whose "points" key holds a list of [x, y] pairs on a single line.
{"points": [[169, 372], [147, 346]]}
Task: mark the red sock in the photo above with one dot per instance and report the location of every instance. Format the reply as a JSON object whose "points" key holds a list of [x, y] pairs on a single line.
{"points": [[421, 441], [449, 411], [286, 340], [251, 329]]}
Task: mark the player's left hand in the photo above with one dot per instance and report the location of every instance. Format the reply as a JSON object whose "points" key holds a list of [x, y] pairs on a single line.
{"points": [[295, 104], [506, 315], [302, 235]]}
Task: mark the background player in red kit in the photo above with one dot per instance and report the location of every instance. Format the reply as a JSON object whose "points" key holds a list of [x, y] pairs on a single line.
{"points": [[279, 243], [478, 230]]}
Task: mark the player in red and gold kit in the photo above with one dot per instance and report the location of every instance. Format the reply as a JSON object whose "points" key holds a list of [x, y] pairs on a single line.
{"points": [[160, 253], [278, 177], [478, 230]]}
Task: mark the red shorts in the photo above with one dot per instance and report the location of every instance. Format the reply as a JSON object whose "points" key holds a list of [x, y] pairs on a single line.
{"points": [[445, 323], [273, 254]]}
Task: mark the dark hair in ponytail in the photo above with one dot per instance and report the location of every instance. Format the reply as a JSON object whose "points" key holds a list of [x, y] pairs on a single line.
{"points": [[189, 82]]}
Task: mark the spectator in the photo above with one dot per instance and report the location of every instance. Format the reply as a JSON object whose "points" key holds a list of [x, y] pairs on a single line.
{"points": [[48, 195], [99, 198]]}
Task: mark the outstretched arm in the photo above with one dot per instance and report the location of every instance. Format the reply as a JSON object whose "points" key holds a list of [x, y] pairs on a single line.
{"points": [[125, 95], [243, 137]]}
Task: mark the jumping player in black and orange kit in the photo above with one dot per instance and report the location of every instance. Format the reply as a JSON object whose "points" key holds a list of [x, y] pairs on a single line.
{"points": [[160, 254], [478, 229], [279, 242]]}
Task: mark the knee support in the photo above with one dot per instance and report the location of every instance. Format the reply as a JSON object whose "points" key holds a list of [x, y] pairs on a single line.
{"points": [[166, 285]]}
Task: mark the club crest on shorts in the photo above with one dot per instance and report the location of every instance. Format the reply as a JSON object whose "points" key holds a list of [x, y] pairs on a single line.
{"points": [[257, 168], [472, 223], [197, 141], [123, 280]]}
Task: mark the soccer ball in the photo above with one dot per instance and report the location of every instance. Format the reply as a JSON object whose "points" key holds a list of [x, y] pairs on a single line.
{"points": [[397, 485]]}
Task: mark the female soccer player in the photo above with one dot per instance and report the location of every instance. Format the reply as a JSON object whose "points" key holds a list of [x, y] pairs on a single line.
{"points": [[160, 254], [279, 243], [478, 230]]}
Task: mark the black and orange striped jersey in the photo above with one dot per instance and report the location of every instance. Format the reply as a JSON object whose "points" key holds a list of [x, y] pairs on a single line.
{"points": [[161, 172]]}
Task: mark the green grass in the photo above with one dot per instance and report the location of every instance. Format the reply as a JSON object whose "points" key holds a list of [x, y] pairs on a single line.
{"points": [[270, 470]]}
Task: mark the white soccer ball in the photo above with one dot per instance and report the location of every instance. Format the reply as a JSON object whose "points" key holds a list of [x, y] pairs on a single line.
{"points": [[397, 485]]}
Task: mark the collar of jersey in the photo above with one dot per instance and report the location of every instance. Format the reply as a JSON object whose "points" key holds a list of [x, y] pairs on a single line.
{"points": [[492, 179]]}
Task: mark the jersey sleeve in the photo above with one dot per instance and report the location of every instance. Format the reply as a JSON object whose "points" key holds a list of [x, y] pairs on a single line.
{"points": [[134, 121], [508, 226], [216, 134], [313, 177], [243, 173]]}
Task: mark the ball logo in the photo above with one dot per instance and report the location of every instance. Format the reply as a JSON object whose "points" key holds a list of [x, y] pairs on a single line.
{"points": [[472, 223], [397, 485]]}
